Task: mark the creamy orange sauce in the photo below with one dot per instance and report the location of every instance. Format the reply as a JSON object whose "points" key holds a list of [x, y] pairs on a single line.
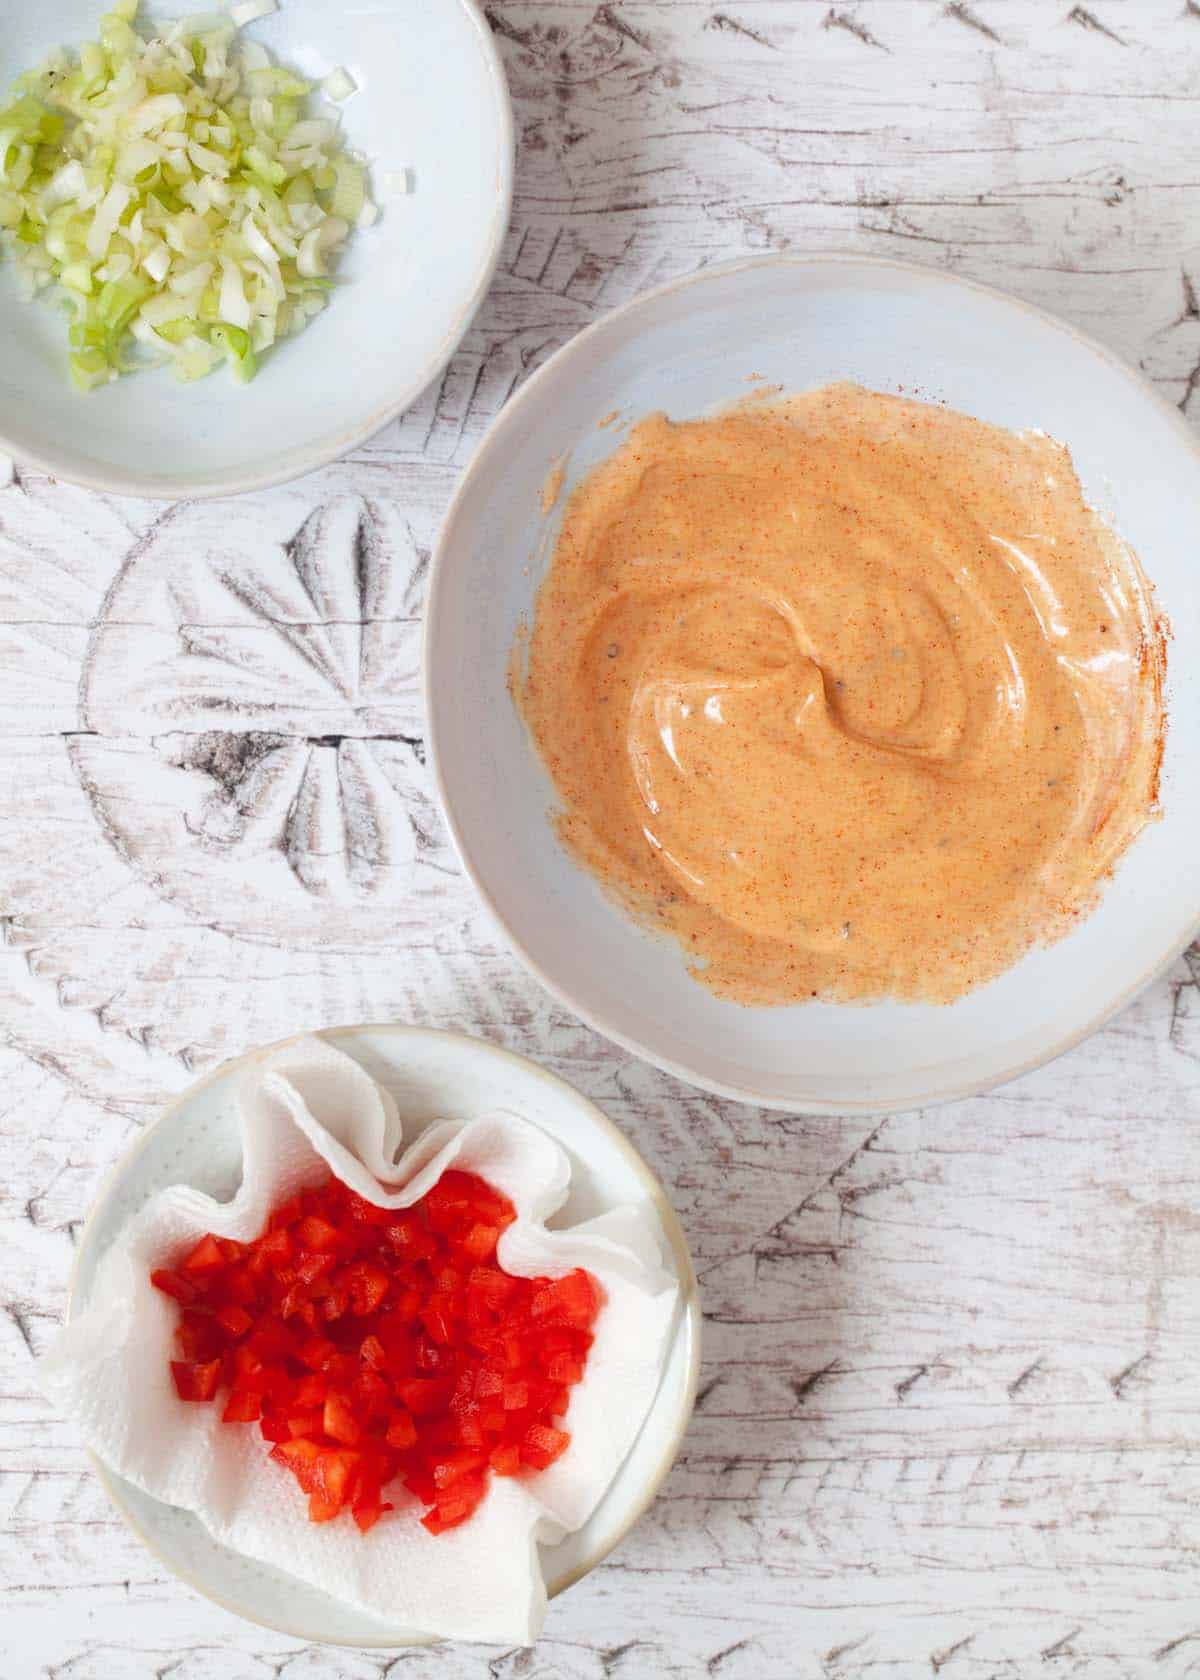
{"points": [[853, 696], [552, 486]]}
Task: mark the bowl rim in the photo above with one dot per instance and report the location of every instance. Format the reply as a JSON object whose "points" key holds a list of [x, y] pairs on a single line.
{"points": [[690, 1323], [325, 451], [510, 414]]}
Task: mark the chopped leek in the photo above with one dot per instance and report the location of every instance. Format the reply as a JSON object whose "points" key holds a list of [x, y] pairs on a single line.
{"points": [[177, 193], [339, 85]]}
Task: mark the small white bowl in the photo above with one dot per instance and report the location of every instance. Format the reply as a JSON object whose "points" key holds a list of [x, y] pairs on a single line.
{"points": [[432, 99], [684, 348], [432, 1075]]}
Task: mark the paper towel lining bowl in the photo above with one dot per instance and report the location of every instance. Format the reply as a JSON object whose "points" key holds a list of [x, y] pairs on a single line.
{"points": [[433, 1075]]}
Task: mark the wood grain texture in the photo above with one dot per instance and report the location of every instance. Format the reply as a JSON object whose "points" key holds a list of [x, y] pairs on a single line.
{"points": [[948, 1420]]}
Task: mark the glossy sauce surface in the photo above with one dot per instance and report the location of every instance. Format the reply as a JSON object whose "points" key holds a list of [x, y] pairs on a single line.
{"points": [[852, 695]]}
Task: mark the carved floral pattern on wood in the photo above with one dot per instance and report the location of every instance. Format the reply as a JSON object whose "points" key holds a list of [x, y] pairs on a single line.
{"points": [[252, 719]]}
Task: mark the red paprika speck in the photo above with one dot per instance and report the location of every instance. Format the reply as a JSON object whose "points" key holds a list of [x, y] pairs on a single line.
{"points": [[373, 1347]]}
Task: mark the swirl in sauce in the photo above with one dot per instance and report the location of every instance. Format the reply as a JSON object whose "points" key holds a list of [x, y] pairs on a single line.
{"points": [[852, 695]]}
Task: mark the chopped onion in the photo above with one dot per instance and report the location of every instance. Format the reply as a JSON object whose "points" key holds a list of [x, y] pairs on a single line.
{"points": [[180, 192]]}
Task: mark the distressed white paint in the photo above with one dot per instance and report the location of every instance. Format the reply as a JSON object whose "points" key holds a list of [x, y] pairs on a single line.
{"points": [[948, 1421]]}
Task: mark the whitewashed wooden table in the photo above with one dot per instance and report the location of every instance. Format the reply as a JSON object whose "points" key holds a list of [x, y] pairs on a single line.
{"points": [[949, 1420]]}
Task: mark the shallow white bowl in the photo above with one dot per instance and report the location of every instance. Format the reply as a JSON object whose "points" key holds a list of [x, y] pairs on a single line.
{"points": [[431, 1075], [433, 99], [684, 348]]}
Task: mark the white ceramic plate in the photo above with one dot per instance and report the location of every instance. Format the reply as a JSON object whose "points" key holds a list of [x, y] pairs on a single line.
{"points": [[433, 99], [685, 348], [431, 1074]]}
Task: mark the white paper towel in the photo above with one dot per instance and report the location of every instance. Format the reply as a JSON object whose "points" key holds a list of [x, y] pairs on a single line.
{"points": [[306, 1110]]}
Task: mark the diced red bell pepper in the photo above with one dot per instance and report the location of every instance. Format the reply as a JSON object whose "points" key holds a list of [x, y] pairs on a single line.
{"points": [[480, 1242], [372, 1394], [505, 1458], [273, 1427], [488, 1384], [277, 1246], [401, 1430], [300, 1457], [406, 1306], [342, 1369], [179, 1288], [469, 1430], [333, 1471], [242, 1287], [286, 1214], [339, 1421], [409, 1234], [543, 1444], [438, 1323], [454, 1465], [314, 1266], [425, 1395], [551, 1399], [564, 1368], [421, 1484], [196, 1382], [243, 1406], [568, 1300], [368, 1345], [197, 1338], [273, 1340], [316, 1233], [316, 1353], [515, 1392], [366, 1516], [205, 1257], [365, 1212], [373, 1353], [234, 1320], [494, 1287], [459, 1502], [335, 1305], [366, 1285]]}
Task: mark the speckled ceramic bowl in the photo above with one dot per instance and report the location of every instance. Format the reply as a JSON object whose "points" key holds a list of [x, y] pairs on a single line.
{"points": [[432, 99], [801, 322], [431, 1074]]}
